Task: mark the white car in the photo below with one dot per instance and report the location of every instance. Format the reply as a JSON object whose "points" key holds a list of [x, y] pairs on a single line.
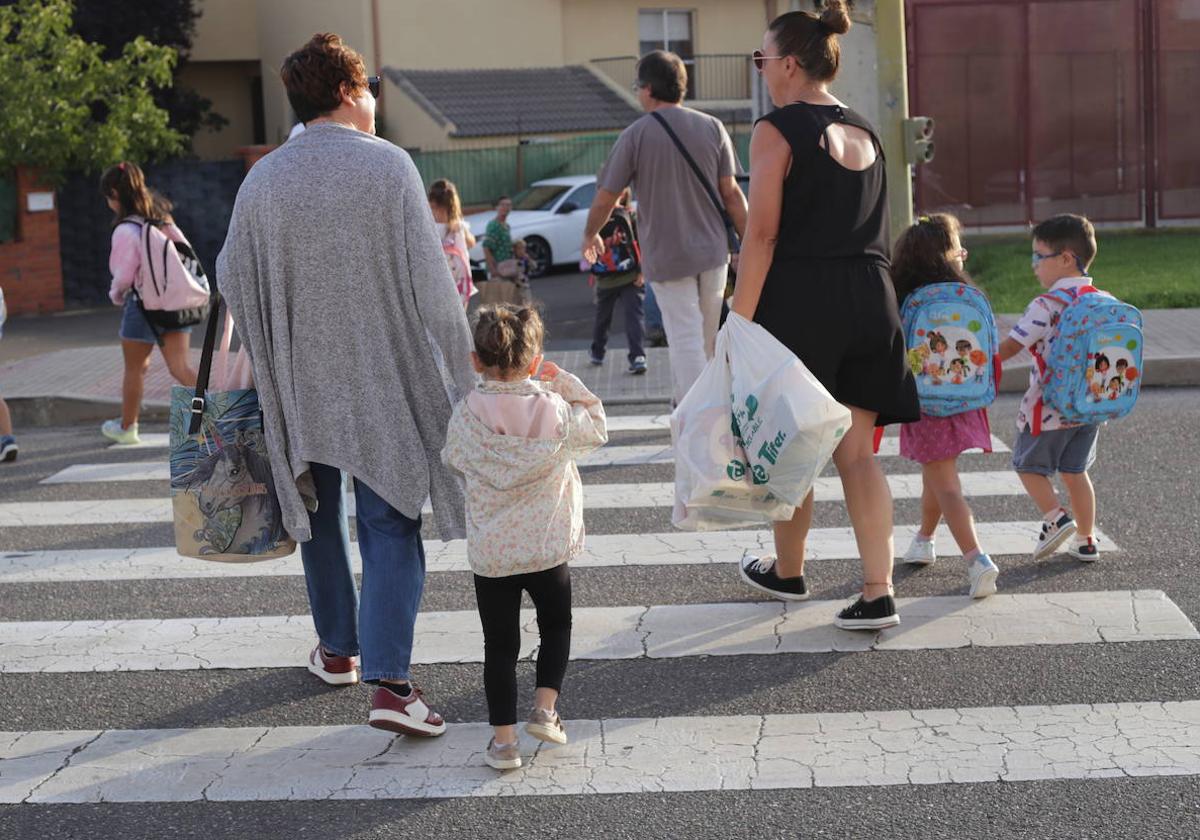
{"points": [[549, 215]]}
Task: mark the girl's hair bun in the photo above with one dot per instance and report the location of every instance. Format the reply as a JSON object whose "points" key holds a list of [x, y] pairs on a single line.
{"points": [[835, 17]]}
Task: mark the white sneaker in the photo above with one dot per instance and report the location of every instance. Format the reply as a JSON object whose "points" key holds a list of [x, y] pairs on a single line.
{"points": [[113, 431], [1053, 535], [982, 574], [920, 553]]}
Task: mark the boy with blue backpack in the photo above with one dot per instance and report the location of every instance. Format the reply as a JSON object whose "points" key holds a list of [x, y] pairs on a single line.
{"points": [[1076, 334], [952, 341]]}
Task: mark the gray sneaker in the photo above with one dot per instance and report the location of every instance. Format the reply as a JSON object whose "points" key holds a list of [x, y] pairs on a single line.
{"points": [[546, 726], [502, 756]]}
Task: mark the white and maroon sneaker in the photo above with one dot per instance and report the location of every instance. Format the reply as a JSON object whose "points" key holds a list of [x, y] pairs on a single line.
{"points": [[334, 670], [404, 715]]}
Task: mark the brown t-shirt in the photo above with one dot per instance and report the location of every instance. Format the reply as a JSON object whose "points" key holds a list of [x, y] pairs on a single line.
{"points": [[680, 230]]}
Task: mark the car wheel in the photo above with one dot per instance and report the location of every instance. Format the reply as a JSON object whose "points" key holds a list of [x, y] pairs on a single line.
{"points": [[539, 252]]}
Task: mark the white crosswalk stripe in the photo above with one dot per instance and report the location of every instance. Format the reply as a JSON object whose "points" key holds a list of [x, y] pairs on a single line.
{"points": [[755, 750], [596, 497], [603, 550], [613, 455], [641, 755], [632, 632]]}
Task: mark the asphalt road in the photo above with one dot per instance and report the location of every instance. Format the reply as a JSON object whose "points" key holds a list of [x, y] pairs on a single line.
{"points": [[1145, 479]]}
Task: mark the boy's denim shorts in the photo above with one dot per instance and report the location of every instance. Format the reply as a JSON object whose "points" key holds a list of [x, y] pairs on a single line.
{"points": [[1070, 450]]}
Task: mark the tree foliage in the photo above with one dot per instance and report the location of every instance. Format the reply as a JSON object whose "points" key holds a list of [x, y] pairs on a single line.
{"points": [[168, 23], [64, 107]]}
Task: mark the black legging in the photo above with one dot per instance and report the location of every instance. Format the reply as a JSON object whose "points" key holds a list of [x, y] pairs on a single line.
{"points": [[499, 601]]}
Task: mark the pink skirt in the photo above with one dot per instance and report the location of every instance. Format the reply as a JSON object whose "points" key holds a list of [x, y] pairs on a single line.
{"points": [[938, 438]]}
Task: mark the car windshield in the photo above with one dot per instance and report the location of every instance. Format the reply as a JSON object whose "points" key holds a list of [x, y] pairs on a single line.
{"points": [[538, 197]]}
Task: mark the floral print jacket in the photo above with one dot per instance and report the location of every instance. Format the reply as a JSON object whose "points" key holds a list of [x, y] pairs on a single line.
{"points": [[524, 495]]}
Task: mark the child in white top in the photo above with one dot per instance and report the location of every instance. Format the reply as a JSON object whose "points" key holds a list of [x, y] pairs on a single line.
{"points": [[515, 439], [1063, 249]]}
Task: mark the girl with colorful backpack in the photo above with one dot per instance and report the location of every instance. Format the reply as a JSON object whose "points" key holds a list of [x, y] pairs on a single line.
{"points": [[148, 252], [945, 315], [457, 239]]}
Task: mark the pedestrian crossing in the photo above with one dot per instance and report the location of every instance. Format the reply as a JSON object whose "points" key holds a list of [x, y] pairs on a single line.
{"points": [[596, 497], [622, 751], [609, 456]]}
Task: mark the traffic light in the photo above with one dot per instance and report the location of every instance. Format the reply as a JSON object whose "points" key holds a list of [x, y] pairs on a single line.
{"points": [[918, 139]]}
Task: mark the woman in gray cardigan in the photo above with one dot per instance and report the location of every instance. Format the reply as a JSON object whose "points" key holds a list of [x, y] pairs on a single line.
{"points": [[343, 298]]}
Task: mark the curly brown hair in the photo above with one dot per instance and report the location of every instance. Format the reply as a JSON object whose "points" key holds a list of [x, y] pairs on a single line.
{"points": [[508, 337], [314, 74]]}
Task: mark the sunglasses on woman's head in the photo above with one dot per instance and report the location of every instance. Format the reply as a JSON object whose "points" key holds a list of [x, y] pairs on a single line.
{"points": [[758, 57], [373, 85]]}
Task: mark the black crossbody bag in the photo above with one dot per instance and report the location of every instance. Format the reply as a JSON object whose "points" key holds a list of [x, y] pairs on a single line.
{"points": [[735, 244]]}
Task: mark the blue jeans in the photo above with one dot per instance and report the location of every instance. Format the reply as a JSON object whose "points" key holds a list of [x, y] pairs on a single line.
{"points": [[380, 628], [631, 297]]}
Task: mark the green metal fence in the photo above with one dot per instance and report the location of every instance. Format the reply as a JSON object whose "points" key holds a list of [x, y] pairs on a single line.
{"points": [[482, 175], [8, 207]]}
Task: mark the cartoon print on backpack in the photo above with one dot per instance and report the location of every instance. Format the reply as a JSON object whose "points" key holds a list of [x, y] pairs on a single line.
{"points": [[952, 338], [1091, 369]]}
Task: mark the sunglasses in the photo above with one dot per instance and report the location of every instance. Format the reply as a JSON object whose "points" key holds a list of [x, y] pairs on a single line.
{"points": [[758, 57], [373, 85]]}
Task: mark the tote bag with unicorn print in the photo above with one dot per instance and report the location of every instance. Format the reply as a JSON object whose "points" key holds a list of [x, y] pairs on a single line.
{"points": [[223, 492]]}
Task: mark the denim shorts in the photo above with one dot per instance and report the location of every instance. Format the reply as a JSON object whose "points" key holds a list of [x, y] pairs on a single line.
{"points": [[1071, 450], [135, 327]]}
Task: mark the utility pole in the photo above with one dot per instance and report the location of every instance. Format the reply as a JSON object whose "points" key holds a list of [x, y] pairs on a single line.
{"points": [[893, 109]]}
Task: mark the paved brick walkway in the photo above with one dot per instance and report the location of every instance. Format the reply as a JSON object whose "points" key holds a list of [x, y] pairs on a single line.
{"points": [[93, 374]]}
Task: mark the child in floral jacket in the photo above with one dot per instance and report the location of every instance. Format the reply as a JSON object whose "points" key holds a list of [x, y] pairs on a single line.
{"points": [[515, 440]]}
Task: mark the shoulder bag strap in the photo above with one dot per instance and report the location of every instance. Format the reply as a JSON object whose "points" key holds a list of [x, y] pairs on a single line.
{"points": [[734, 244], [206, 357]]}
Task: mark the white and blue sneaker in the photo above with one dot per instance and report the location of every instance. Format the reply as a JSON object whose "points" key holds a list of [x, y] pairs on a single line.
{"points": [[113, 430], [8, 448], [920, 553], [982, 574]]}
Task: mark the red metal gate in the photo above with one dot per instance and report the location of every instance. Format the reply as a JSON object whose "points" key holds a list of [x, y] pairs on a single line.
{"points": [[1049, 106]]}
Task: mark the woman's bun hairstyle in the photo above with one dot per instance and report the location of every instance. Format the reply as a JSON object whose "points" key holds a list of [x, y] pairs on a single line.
{"points": [[812, 38], [835, 17]]}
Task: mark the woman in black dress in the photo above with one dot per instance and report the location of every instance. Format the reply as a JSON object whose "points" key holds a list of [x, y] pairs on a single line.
{"points": [[814, 272]]}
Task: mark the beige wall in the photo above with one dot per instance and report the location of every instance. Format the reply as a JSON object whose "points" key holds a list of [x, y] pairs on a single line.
{"points": [[597, 29], [228, 85], [465, 34], [284, 25], [227, 30]]}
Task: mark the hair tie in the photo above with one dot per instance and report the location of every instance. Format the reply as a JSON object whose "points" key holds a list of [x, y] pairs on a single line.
{"points": [[923, 220]]}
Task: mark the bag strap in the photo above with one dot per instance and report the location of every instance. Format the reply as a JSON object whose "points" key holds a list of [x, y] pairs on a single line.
{"points": [[734, 244], [206, 357]]}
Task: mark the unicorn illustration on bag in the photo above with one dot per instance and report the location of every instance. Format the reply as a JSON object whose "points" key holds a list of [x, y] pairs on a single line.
{"points": [[232, 485]]}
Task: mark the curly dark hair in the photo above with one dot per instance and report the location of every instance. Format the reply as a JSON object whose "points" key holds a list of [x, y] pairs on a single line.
{"points": [[314, 74]]}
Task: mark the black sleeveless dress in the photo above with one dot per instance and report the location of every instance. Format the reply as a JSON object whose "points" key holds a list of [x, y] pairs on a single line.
{"points": [[828, 295]]}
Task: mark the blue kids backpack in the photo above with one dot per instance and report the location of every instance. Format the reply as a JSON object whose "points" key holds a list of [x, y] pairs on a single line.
{"points": [[1092, 367], [952, 343]]}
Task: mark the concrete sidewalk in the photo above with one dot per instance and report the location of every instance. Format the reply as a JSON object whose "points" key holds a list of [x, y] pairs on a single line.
{"points": [[84, 383]]}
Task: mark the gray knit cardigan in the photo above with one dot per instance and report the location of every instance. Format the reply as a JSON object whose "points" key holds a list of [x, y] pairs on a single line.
{"points": [[344, 300]]}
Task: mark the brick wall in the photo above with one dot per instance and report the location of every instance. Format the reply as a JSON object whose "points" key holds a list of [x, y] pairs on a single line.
{"points": [[30, 266]]}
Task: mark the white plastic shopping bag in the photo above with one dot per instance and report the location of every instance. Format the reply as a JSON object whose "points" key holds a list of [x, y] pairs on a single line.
{"points": [[788, 423], [714, 487]]}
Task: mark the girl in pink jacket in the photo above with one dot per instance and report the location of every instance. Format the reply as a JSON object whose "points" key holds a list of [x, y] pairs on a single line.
{"points": [[515, 440]]}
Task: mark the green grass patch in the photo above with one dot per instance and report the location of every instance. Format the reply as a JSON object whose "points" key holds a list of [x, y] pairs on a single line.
{"points": [[1151, 269]]}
